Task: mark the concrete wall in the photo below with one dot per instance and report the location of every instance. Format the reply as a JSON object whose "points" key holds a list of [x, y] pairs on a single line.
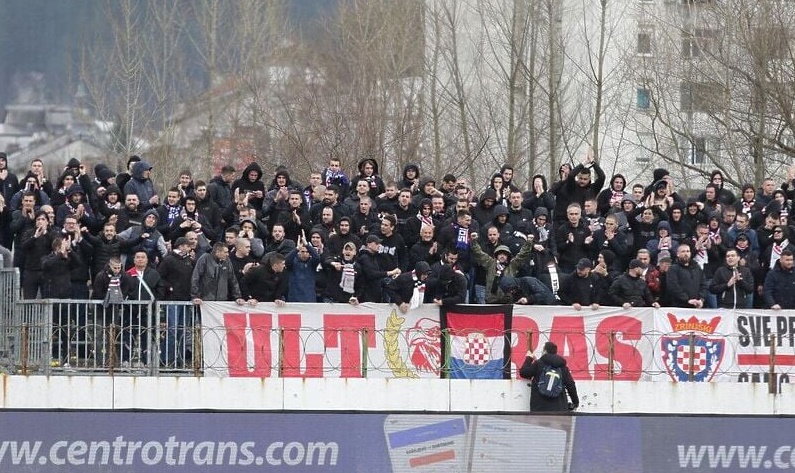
{"points": [[84, 392]]}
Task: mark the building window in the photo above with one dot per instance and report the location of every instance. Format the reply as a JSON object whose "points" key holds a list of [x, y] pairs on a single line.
{"points": [[705, 97], [698, 150], [644, 43], [643, 98]]}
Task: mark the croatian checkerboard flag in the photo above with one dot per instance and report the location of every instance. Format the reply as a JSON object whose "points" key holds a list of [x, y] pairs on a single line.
{"points": [[479, 341]]}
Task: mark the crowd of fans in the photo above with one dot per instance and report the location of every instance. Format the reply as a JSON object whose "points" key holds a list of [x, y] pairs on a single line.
{"points": [[248, 237]]}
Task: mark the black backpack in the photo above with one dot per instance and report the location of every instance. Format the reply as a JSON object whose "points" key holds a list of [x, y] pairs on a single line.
{"points": [[550, 382]]}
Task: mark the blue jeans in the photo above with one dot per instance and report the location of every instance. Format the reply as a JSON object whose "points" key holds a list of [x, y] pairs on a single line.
{"points": [[480, 294], [174, 344], [710, 299]]}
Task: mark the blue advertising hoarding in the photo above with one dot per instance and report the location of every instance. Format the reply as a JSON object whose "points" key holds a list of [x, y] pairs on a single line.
{"points": [[153, 441]]}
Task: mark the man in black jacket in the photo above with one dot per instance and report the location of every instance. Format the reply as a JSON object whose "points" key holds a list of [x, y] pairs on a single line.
{"points": [[630, 289], [548, 371], [583, 287], [451, 287], [266, 282], [733, 284], [780, 283], [686, 282], [176, 270], [408, 289]]}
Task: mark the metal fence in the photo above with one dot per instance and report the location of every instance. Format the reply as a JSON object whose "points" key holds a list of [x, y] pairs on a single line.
{"points": [[9, 294], [135, 337]]}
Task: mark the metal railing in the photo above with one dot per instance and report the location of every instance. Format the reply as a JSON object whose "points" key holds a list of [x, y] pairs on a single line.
{"points": [[137, 337]]}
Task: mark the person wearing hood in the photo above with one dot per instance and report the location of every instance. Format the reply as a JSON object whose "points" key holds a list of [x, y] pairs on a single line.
{"points": [[407, 291], [611, 198], [368, 172], [563, 173], [694, 213], [680, 228], [9, 184], [500, 221], [722, 196], [343, 276], [663, 244], [141, 185], [103, 178], [483, 212], [779, 241], [250, 184], [276, 201], [781, 206], [63, 184], [610, 238], [538, 195], [448, 287], [534, 370], [426, 190], [411, 178], [500, 265], [502, 191], [410, 229], [76, 205], [146, 238]]}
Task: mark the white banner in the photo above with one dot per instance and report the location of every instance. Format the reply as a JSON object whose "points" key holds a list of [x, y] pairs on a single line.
{"points": [[376, 340]]}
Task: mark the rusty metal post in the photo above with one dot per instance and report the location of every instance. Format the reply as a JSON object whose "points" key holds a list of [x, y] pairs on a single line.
{"points": [[24, 348], [611, 355], [772, 386], [691, 369], [198, 355], [365, 347], [281, 352], [111, 344]]}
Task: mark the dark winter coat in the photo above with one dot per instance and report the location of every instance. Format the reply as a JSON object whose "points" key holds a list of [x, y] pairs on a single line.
{"points": [[736, 296], [780, 287], [685, 283], [532, 368]]}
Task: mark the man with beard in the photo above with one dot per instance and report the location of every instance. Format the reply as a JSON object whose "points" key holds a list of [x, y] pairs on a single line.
{"points": [[278, 242], [686, 282], [131, 214], [331, 198]]}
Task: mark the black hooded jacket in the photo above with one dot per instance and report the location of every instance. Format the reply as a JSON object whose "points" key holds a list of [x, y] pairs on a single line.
{"points": [[532, 368]]}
